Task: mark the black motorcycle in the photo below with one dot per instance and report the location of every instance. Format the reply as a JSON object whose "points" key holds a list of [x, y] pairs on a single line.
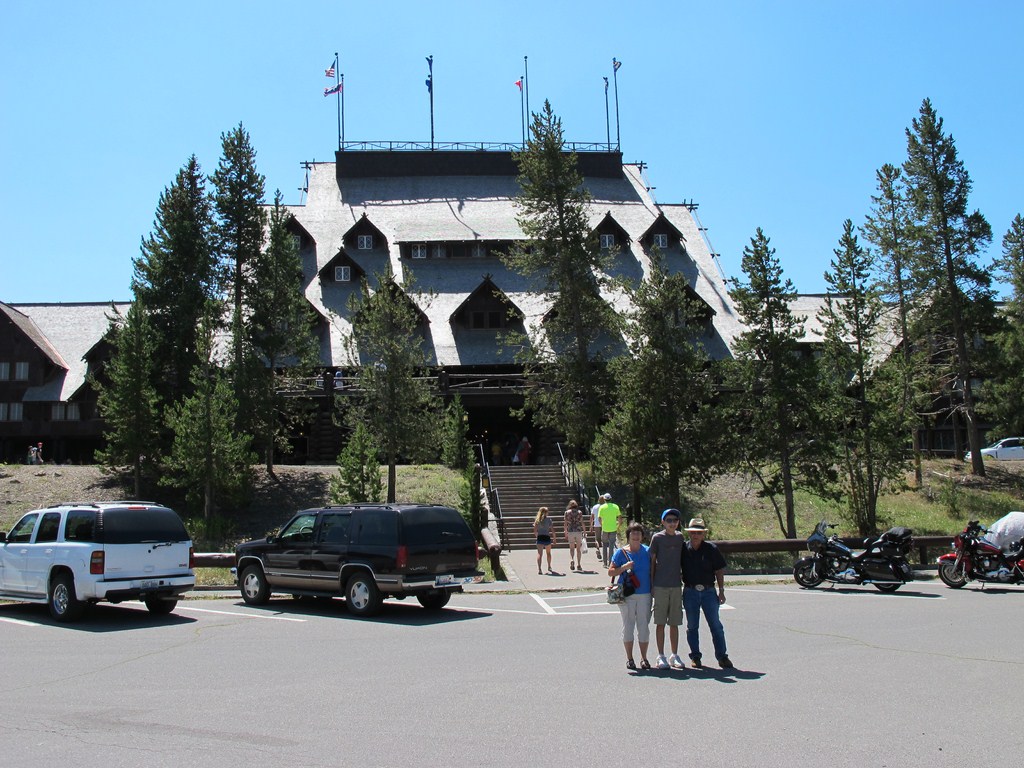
{"points": [[883, 562]]}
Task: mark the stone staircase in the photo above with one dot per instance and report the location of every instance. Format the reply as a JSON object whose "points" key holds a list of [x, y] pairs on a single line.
{"points": [[521, 491]]}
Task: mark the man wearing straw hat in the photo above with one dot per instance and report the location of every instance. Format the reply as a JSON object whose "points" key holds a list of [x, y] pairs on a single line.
{"points": [[703, 570]]}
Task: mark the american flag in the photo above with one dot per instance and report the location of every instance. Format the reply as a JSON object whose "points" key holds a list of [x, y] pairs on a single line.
{"points": [[329, 72]]}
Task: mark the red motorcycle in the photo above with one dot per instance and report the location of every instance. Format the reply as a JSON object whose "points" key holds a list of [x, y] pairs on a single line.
{"points": [[974, 558]]}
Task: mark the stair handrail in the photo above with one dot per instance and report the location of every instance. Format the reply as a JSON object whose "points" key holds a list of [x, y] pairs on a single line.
{"points": [[571, 474], [496, 509]]}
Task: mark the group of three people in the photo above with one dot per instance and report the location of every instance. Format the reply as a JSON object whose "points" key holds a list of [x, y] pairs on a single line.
{"points": [[678, 574]]}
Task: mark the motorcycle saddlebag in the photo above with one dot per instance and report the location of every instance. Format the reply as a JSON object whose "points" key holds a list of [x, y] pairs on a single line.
{"points": [[898, 537], [879, 569]]}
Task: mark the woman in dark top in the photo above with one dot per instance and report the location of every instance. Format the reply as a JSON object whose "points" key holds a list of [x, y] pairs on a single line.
{"points": [[545, 534]]}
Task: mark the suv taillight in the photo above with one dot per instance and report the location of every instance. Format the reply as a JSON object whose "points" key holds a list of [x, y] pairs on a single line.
{"points": [[191, 558], [403, 556], [96, 563]]}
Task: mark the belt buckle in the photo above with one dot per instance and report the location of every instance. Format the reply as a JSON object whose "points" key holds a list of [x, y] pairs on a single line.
{"points": [[699, 587]]}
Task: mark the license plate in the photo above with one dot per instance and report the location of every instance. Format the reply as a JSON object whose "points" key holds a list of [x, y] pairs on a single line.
{"points": [[442, 581], [148, 584]]}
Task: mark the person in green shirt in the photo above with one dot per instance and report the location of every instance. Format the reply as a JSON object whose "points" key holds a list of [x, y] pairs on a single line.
{"points": [[608, 514]]}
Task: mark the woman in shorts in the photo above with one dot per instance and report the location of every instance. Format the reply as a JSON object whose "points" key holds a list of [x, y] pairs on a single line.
{"points": [[545, 534]]}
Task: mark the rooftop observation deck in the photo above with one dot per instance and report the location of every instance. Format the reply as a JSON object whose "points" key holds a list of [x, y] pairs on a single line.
{"points": [[356, 159]]}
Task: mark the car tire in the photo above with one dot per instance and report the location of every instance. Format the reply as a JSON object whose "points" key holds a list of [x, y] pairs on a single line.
{"points": [[435, 601], [362, 597], [63, 602], [160, 607], [254, 586]]}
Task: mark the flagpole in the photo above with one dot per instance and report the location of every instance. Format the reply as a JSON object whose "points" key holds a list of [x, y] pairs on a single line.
{"points": [[526, 87], [607, 121], [615, 77], [342, 82], [522, 109], [430, 90], [336, 81]]}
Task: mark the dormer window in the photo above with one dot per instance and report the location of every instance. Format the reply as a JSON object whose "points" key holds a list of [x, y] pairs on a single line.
{"points": [[365, 242], [660, 240], [478, 250], [418, 251], [607, 242], [297, 242], [343, 274], [21, 371], [440, 251], [485, 320]]}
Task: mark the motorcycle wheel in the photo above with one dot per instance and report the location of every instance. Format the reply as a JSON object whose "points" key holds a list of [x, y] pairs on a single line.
{"points": [[887, 587], [805, 574], [952, 576]]}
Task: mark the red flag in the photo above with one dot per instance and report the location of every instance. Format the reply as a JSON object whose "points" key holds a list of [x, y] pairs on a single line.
{"points": [[520, 84], [335, 89]]}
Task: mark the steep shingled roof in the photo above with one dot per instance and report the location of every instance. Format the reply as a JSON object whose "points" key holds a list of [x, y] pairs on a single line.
{"points": [[428, 209]]}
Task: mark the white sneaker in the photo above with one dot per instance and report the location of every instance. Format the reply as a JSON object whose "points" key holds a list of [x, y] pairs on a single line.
{"points": [[676, 662], [662, 662]]}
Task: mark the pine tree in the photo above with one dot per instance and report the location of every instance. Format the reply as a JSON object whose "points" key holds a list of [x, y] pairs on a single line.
{"points": [[774, 392], [280, 328], [890, 228], [399, 409], [210, 459], [949, 239], [238, 202], [176, 278], [456, 452], [1004, 400], [128, 402], [562, 358], [358, 478], [658, 433], [865, 410]]}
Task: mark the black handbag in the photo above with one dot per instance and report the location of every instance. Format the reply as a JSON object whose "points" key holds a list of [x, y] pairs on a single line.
{"points": [[629, 580]]}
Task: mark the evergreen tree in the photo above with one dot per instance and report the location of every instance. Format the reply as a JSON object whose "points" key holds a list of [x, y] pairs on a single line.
{"points": [[399, 409], [358, 478], [865, 409], [238, 202], [456, 452], [774, 391], [128, 403], [561, 359], [1004, 401], [658, 432], [949, 239], [280, 328], [176, 278], [890, 228], [210, 459]]}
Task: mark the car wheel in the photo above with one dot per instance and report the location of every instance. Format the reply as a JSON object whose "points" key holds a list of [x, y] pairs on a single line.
{"points": [[255, 590], [160, 607], [64, 603], [435, 601], [362, 597]]}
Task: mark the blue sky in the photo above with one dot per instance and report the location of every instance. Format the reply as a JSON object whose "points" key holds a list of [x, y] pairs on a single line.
{"points": [[767, 114]]}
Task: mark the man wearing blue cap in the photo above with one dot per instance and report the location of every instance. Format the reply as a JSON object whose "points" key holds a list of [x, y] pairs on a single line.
{"points": [[666, 552]]}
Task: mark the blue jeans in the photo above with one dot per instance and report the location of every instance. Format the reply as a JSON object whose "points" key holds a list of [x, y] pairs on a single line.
{"points": [[693, 603]]}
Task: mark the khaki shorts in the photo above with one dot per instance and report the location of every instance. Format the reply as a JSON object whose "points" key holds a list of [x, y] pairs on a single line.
{"points": [[668, 605]]}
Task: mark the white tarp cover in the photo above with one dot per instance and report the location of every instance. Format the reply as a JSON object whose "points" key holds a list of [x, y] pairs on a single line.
{"points": [[1007, 530]]}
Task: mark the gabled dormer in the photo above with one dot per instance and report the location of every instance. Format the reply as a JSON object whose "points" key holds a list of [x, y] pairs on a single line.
{"points": [[299, 233], [395, 290], [364, 237], [662, 234], [487, 308], [610, 234], [342, 270]]}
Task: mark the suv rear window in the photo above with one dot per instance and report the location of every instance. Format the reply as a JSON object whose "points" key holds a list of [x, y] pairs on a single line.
{"points": [[136, 526], [434, 525]]}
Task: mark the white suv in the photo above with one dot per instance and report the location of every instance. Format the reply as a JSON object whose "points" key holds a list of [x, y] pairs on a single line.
{"points": [[70, 555]]}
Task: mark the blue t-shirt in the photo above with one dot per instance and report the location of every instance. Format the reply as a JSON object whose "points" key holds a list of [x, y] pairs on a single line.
{"points": [[641, 567]]}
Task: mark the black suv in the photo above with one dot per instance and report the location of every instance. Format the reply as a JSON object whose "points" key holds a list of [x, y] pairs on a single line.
{"points": [[364, 552]]}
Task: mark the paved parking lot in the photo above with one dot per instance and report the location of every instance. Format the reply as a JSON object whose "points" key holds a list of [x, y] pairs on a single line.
{"points": [[927, 676]]}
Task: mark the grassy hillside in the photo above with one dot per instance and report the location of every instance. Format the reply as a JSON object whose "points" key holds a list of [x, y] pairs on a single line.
{"points": [[730, 504]]}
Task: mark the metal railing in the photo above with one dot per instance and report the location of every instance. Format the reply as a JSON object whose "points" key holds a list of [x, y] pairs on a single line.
{"points": [[464, 146]]}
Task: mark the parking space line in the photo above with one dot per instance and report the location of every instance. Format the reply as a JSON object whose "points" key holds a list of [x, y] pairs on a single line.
{"points": [[543, 603], [21, 623], [240, 615]]}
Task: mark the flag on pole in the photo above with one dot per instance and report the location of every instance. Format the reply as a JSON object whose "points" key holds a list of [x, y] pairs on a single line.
{"points": [[334, 89], [606, 85], [329, 72], [616, 64], [520, 84]]}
